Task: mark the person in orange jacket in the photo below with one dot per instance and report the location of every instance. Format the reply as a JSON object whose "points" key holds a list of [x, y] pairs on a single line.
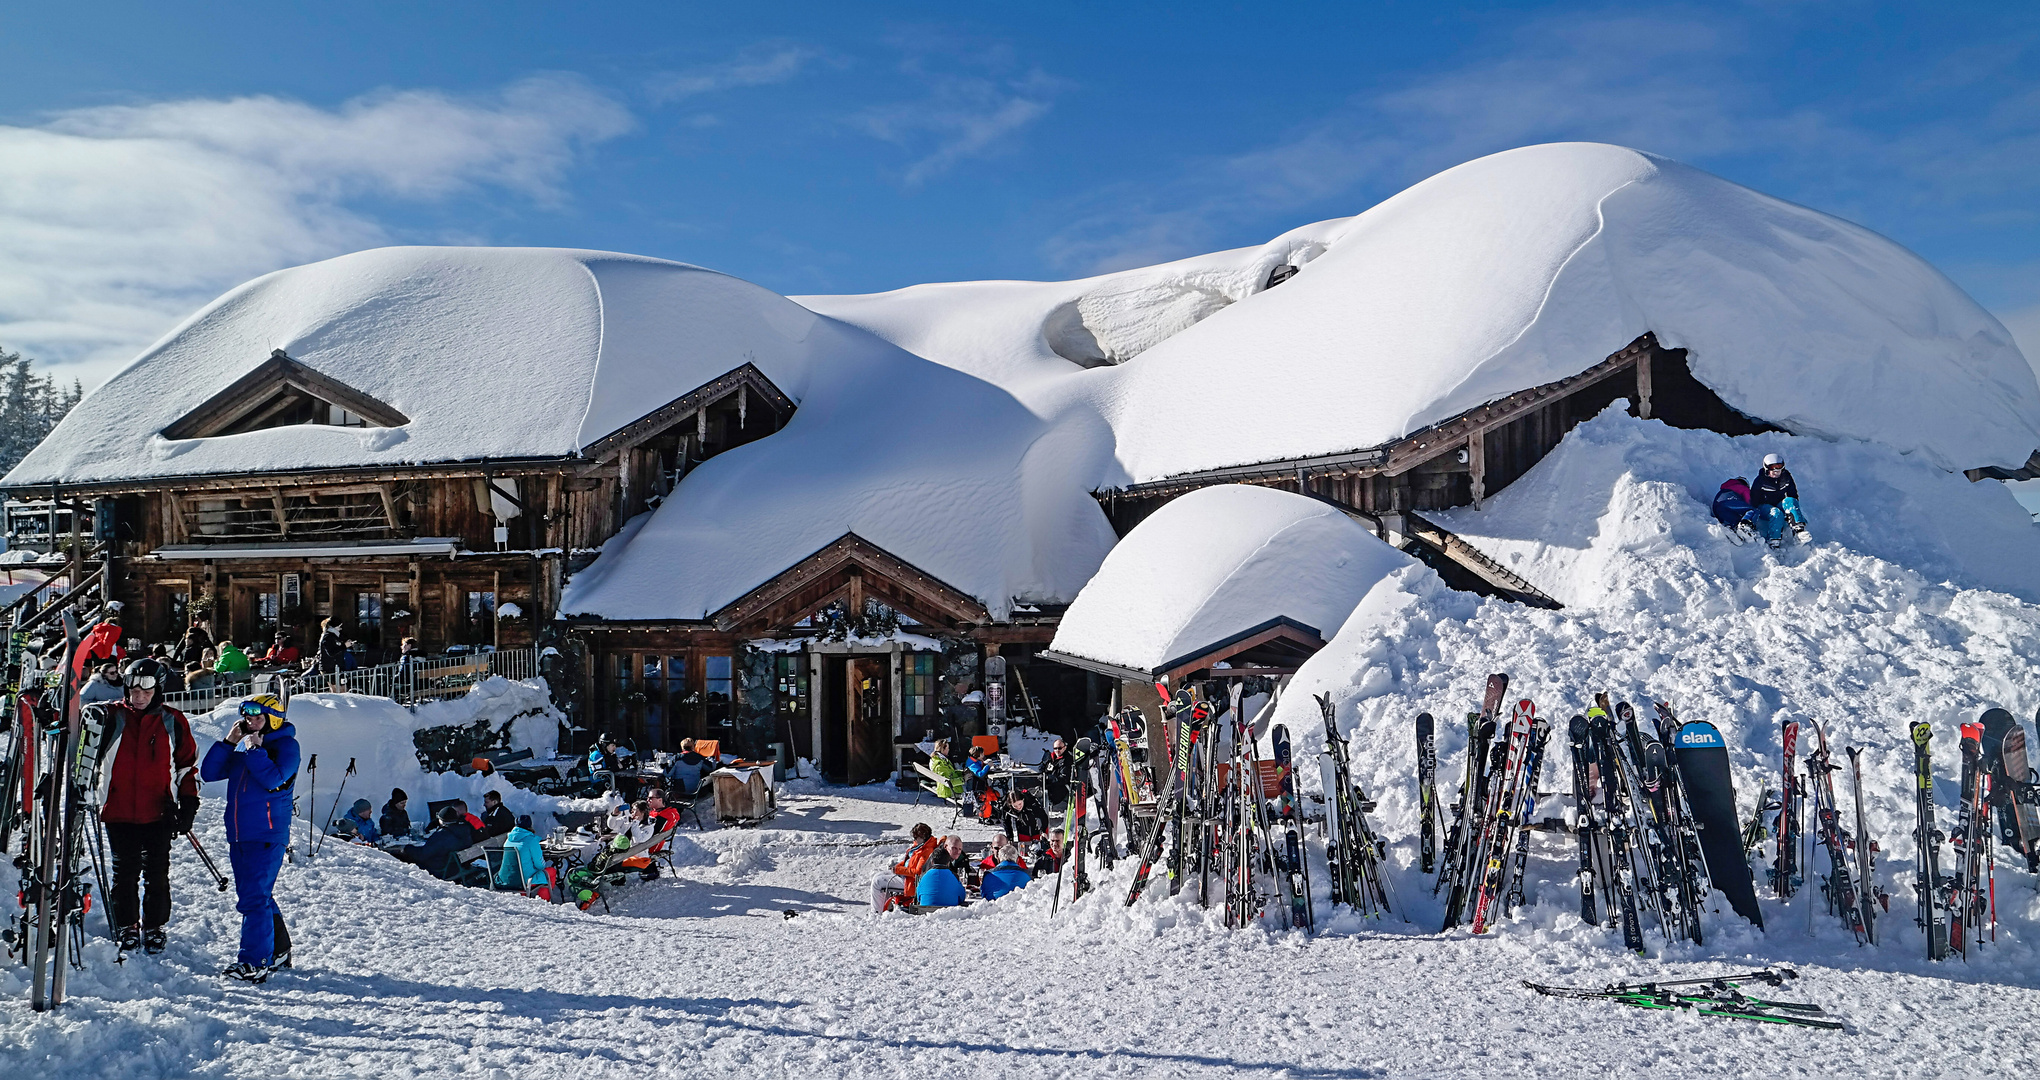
{"points": [[900, 879]]}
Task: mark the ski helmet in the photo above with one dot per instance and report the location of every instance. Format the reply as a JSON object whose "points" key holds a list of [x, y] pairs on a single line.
{"points": [[1773, 459], [265, 710], [148, 674]]}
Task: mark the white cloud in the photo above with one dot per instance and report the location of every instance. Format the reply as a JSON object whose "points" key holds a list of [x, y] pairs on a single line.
{"points": [[115, 222], [754, 67], [962, 117]]}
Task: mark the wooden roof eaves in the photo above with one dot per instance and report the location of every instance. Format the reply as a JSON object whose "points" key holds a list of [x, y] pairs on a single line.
{"points": [[1406, 453], [1279, 628], [245, 394], [474, 467], [678, 409], [852, 548]]}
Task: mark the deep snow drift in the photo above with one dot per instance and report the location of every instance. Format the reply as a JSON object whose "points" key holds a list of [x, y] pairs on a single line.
{"points": [[1907, 608]]}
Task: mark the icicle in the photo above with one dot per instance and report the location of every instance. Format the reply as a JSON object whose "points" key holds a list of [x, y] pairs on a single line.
{"points": [[701, 425], [743, 405]]}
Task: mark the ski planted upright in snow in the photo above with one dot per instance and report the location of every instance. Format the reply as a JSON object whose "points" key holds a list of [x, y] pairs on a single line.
{"points": [[1933, 899]]}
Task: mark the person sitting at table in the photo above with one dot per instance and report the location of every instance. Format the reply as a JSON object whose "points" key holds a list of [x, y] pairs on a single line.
{"points": [[496, 818], [939, 886], [638, 829], [396, 817], [900, 879], [474, 822], [282, 653], [618, 820], [685, 771], [1026, 821], [1007, 875], [524, 861], [358, 824], [453, 836], [665, 817], [198, 677], [980, 766], [232, 661], [1049, 854], [949, 783]]}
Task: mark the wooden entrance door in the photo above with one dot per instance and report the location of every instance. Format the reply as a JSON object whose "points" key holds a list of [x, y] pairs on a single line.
{"points": [[868, 708]]}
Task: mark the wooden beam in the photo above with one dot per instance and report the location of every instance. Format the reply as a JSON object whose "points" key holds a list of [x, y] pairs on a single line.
{"points": [[1476, 463], [1643, 386]]}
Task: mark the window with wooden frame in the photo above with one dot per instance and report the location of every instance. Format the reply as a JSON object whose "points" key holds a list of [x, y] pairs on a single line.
{"points": [[918, 686], [718, 687], [313, 515]]}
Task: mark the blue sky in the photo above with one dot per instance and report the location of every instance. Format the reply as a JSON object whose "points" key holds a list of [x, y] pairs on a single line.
{"points": [[153, 155]]}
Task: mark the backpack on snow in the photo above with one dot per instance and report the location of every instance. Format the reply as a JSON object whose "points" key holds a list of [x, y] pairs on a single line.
{"points": [[1732, 505]]}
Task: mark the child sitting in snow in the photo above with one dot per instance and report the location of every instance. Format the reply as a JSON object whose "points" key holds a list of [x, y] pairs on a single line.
{"points": [[1775, 500]]}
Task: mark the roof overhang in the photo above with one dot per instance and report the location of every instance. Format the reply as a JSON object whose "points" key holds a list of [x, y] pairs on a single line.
{"points": [[1280, 634], [423, 545]]}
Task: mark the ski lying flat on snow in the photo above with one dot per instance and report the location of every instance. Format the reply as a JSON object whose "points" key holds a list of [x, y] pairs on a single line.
{"points": [[1717, 996]]}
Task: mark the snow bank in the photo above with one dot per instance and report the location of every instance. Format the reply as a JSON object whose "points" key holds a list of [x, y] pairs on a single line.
{"points": [[490, 352], [376, 733], [1890, 618], [1216, 563]]}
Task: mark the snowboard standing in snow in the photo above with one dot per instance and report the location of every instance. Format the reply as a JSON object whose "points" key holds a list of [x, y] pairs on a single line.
{"points": [[1933, 899], [1427, 793], [1710, 793], [2011, 785]]}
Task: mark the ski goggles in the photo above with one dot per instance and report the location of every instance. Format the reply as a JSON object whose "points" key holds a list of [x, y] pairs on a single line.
{"points": [[141, 682]]}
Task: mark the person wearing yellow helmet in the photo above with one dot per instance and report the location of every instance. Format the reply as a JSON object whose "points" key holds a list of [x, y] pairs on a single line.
{"points": [[258, 758]]}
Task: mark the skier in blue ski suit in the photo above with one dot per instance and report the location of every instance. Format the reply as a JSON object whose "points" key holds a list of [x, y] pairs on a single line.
{"points": [[258, 759]]}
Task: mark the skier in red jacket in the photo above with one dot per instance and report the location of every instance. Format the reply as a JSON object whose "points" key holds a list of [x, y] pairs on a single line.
{"points": [[148, 793]]}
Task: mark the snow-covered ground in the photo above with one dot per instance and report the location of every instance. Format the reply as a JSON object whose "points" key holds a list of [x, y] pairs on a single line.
{"points": [[702, 973]]}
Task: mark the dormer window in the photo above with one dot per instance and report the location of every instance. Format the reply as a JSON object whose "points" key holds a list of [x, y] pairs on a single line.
{"points": [[283, 393]]}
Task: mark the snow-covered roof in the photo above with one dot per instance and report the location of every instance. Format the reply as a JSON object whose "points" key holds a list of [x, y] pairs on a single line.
{"points": [[1502, 274], [1215, 564], [939, 469], [489, 352]]}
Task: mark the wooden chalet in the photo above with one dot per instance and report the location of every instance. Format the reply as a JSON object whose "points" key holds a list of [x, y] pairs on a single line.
{"points": [[455, 553], [852, 656]]}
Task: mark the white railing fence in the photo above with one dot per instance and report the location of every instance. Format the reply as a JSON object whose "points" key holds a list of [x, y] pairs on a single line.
{"points": [[409, 682]]}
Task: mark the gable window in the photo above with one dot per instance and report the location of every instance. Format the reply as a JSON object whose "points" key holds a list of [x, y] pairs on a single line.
{"points": [[283, 392]]}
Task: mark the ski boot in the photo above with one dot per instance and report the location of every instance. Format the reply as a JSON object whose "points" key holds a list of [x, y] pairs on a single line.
{"points": [[1799, 532], [246, 972], [155, 940], [129, 940], [1775, 543]]}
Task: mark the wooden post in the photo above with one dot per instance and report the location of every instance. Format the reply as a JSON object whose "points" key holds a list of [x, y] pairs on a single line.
{"points": [[1476, 463], [1643, 383]]}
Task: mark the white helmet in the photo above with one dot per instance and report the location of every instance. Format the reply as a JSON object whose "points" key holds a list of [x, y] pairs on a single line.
{"points": [[1773, 459]]}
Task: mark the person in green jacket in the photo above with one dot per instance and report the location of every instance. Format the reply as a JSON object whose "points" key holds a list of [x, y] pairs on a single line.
{"points": [[232, 660], [948, 778]]}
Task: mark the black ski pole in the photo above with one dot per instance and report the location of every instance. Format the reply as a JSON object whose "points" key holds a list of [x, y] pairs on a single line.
{"points": [[320, 838], [311, 796], [218, 878]]}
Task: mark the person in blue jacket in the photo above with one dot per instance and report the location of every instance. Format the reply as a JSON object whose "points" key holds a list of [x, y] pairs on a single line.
{"points": [[1007, 876], [939, 886], [258, 759]]}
